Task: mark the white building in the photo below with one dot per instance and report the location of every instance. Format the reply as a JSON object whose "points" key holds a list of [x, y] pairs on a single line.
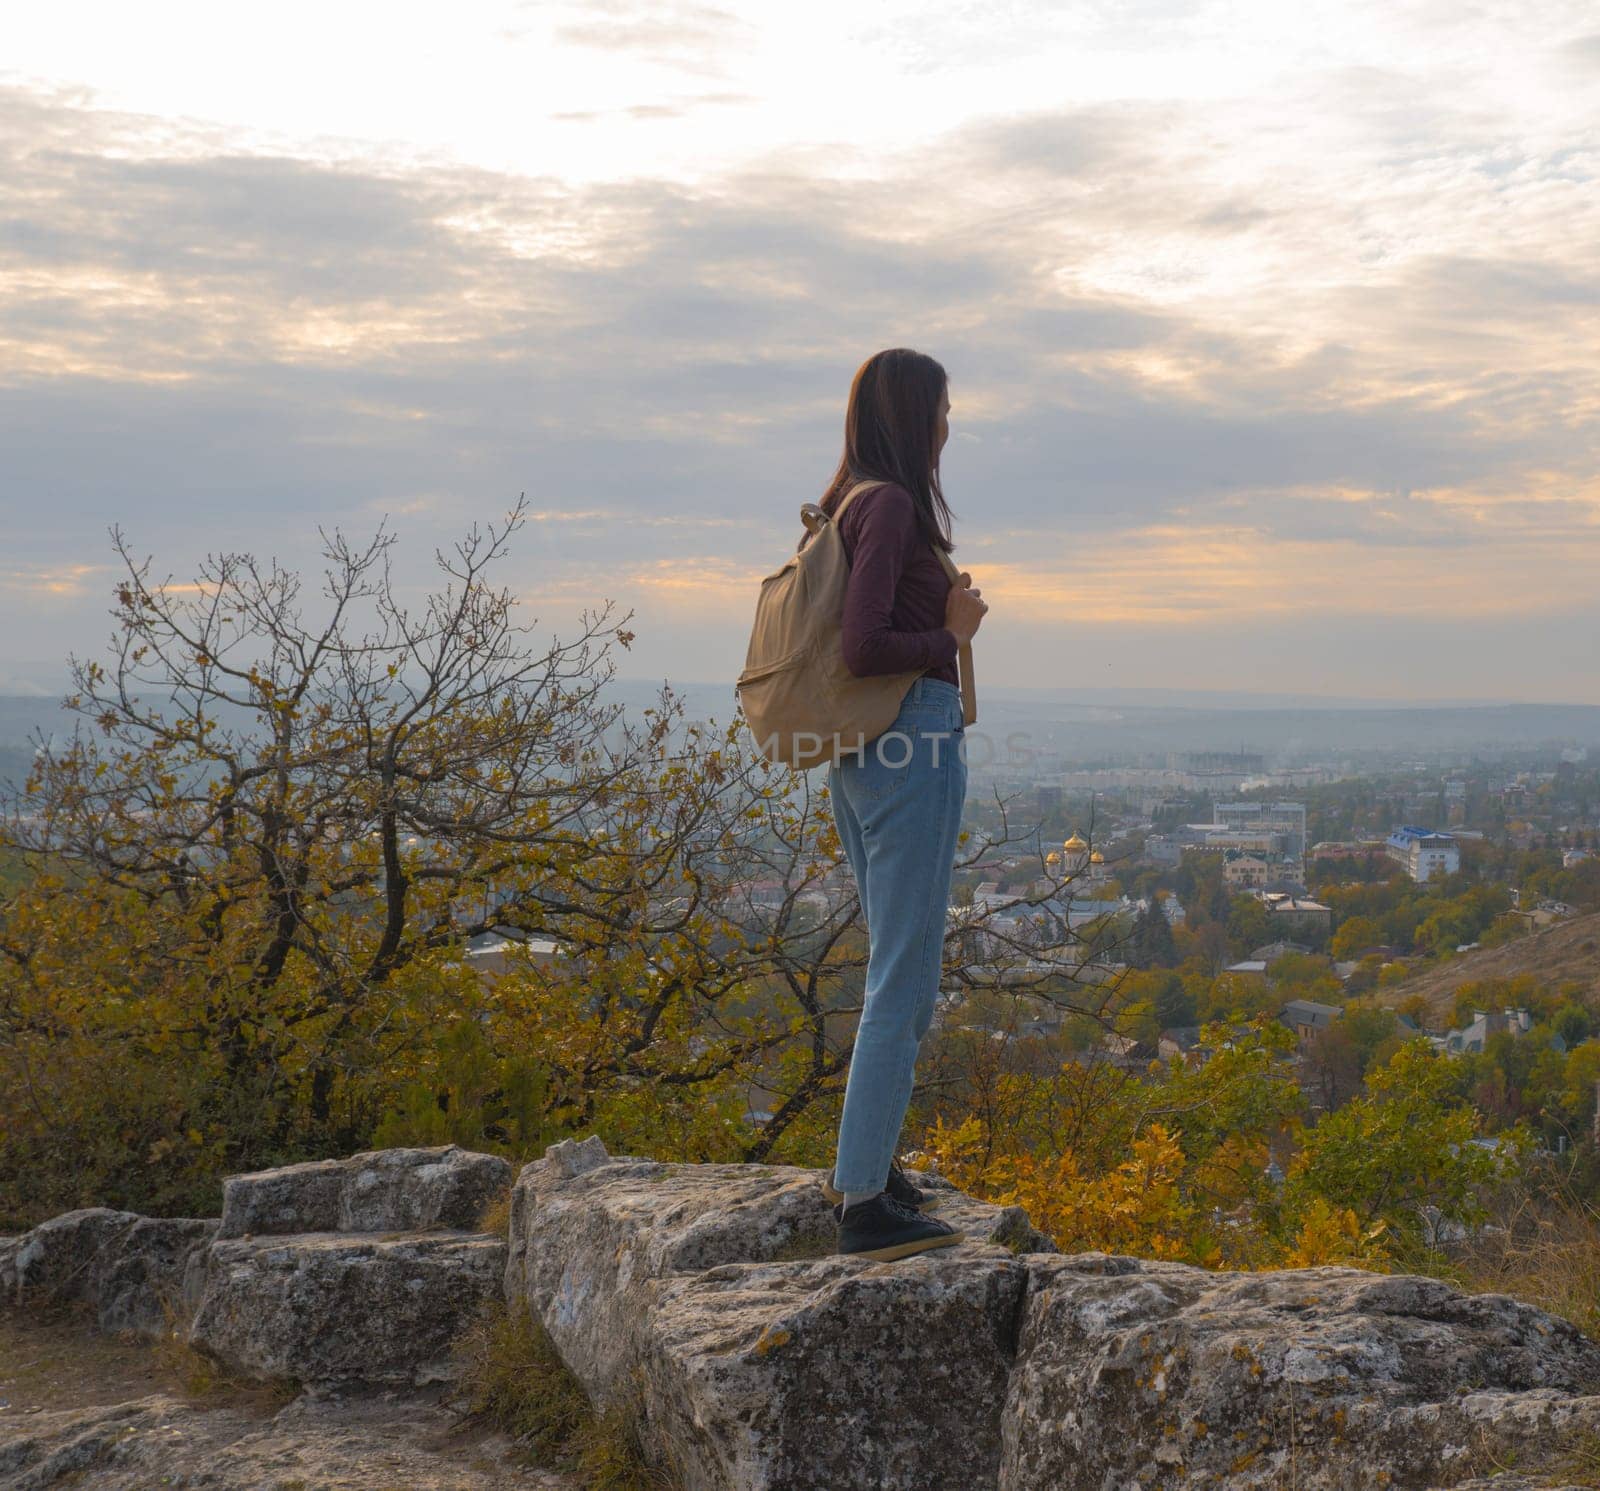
{"points": [[491, 955], [1424, 853], [1246, 872], [1484, 1024], [1286, 913], [1258, 826]]}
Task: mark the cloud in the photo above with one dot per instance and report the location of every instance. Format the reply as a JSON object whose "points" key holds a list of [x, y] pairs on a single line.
{"points": [[1085, 144], [1584, 51], [677, 108], [58, 580], [1198, 391], [688, 37], [928, 40]]}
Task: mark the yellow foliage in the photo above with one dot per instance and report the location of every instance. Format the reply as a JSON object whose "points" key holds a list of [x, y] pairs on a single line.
{"points": [[1138, 1207], [1335, 1234]]}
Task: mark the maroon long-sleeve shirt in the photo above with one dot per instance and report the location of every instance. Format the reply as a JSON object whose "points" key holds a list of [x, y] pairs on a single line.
{"points": [[894, 604]]}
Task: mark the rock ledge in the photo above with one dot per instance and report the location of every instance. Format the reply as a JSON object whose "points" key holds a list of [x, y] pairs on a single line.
{"points": [[708, 1300]]}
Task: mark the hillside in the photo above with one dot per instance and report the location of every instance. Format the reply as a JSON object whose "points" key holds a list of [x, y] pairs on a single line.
{"points": [[1567, 951]]}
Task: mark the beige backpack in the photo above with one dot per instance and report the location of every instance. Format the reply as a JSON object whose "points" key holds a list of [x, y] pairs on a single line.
{"points": [[802, 703]]}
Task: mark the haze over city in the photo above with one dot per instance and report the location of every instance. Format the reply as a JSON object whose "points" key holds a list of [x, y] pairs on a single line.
{"points": [[1271, 334]]}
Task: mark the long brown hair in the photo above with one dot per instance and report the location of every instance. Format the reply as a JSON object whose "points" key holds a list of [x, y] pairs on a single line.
{"points": [[888, 434]]}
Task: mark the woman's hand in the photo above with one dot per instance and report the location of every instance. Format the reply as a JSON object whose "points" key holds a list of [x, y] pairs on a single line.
{"points": [[964, 609]]}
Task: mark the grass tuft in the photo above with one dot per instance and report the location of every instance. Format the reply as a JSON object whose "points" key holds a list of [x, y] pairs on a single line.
{"points": [[1580, 1456], [198, 1376], [611, 1457], [496, 1213], [513, 1378]]}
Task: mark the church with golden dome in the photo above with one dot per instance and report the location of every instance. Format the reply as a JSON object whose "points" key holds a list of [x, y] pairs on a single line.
{"points": [[1076, 860]]}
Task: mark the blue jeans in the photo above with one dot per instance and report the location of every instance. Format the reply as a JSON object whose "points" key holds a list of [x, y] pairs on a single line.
{"points": [[898, 809]]}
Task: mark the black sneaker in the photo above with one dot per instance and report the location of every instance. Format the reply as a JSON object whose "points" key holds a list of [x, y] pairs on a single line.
{"points": [[899, 1187], [882, 1229]]}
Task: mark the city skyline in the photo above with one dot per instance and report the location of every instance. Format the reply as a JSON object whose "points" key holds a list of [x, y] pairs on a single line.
{"points": [[1271, 339]]}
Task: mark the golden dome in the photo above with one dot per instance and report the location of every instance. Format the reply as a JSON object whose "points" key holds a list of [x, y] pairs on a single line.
{"points": [[1075, 842], [1052, 858], [1097, 858]]}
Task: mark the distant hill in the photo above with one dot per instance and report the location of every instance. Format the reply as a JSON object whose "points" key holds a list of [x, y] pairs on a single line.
{"points": [[1568, 951], [1132, 724]]}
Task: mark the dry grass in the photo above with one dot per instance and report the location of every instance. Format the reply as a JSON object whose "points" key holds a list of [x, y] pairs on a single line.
{"points": [[1546, 1251], [1568, 952], [198, 1376], [57, 1357], [513, 1378], [1580, 1459], [611, 1456], [496, 1214]]}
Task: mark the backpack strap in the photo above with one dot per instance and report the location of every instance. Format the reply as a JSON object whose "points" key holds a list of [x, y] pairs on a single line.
{"points": [[969, 691], [816, 518], [860, 486]]}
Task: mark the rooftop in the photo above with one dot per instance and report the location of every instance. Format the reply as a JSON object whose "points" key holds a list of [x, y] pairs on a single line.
{"points": [[1281, 900], [1307, 1012]]}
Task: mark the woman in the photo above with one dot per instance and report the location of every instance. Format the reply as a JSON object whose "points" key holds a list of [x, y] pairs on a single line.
{"points": [[898, 802]]}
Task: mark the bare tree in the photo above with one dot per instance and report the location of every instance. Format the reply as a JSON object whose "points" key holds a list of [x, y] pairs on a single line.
{"points": [[292, 807]]}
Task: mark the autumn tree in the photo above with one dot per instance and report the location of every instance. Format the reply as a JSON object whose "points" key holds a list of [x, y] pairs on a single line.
{"points": [[254, 870], [1171, 1160], [268, 822], [1354, 937], [1403, 1152]]}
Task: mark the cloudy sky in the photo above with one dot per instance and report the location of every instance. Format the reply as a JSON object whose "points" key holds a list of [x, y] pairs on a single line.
{"points": [[1273, 331]]}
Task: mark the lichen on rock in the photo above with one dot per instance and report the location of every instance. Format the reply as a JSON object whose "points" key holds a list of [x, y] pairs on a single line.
{"points": [[706, 1304]]}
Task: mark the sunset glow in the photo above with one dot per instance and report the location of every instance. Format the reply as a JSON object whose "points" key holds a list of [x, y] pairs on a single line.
{"points": [[1254, 317]]}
